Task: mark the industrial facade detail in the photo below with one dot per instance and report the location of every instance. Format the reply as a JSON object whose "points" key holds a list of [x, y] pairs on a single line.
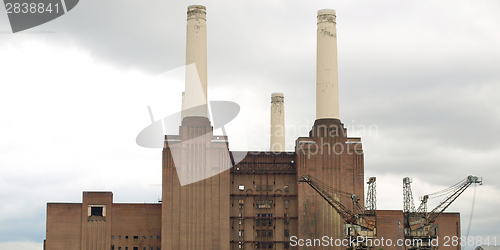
{"points": [[255, 203]]}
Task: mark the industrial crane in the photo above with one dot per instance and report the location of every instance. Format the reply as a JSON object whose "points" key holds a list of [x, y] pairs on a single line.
{"points": [[371, 195], [357, 222], [419, 224]]}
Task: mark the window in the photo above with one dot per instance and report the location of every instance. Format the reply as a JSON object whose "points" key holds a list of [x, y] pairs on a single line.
{"points": [[261, 245], [264, 220], [264, 204], [287, 188], [287, 233], [241, 203], [287, 220], [112, 247], [126, 237], [240, 245], [144, 237], [286, 203], [158, 237], [136, 248], [112, 236], [287, 245], [241, 187], [136, 237], [241, 233], [119, 248], [96, 211], [264, 233], [241, 221], [126, 248], [119, 237]]}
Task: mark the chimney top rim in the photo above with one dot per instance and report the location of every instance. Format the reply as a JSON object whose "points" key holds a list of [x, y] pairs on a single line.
{"points": [[196, 7], [326, 12]]}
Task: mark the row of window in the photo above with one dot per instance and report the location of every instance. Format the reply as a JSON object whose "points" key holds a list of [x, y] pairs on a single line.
{"points": [[263, 219], [266, 245], [264, 222], [133, 248], [263, 188], [262, 233], [265, 204], [264, 215], [136, 237]]}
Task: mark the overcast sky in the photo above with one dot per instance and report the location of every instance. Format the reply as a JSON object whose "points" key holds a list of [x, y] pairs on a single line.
{"points": [[419, 83]]}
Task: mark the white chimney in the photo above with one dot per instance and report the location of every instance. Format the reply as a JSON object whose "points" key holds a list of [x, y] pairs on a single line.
{"points": [[277, 122], [183, 107], [196, 62], [327, 90]]}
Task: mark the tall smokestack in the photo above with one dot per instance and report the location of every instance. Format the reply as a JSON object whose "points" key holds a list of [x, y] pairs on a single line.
{"points": [[327, 89], [196, 62], [277, 122]]}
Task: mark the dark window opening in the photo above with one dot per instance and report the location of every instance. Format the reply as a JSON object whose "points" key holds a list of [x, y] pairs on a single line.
{"points": [[136, 237], [264, 203], [264, 220], [264, 233], [268, 245], [96, 211]]}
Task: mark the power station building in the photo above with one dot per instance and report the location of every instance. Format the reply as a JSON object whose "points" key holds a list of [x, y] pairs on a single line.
{"points": [[214, 198]]}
